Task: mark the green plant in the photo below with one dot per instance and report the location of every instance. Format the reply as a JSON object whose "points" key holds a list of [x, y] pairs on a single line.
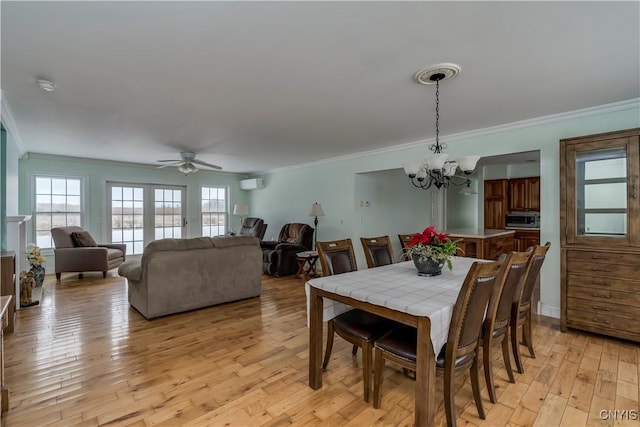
{"points": [[432, 245]]}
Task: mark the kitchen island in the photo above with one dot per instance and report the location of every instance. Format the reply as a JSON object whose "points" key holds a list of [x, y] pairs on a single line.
{"points": [[483, 243]]}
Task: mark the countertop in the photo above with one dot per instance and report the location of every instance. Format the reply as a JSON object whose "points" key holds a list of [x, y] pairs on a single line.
{"points": [[476, 233]]}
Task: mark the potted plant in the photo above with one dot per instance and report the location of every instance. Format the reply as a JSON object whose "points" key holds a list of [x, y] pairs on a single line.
{"points": [[430, 250]]}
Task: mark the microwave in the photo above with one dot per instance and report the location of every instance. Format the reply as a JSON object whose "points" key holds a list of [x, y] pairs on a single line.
{"points": [[523, 220]]}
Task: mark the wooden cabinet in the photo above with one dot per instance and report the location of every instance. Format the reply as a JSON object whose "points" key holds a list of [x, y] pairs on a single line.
{"points": [[7, 284], [524, 194], [524, 239], [600, 234], [496, 193], [484, 247]]}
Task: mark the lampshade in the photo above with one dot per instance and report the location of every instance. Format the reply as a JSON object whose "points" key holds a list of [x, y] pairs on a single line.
{"points": [[241, 210], [467, 163], [187, 168], [467, 190], [316, 210]]}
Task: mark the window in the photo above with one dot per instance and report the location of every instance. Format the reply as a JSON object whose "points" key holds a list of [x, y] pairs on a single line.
{"points": [[214, 211], [58, 203], [142, 213]]}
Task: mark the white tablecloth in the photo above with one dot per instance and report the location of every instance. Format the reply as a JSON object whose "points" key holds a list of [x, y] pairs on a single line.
{"points": [[398, 287]]}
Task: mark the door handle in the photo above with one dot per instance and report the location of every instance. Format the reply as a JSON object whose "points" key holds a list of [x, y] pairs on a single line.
{"points": [[184, 221]]}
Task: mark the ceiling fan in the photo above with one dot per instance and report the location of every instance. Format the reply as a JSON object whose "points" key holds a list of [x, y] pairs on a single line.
{"points": [[188, 163]]}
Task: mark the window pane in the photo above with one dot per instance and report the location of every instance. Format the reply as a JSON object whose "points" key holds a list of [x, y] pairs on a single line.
{"points": [[73, 187], [43, 222], [159, 195], [58, 186], [74, 219], [127, 193], [73, 203], [605, 196], [610, 224], [43, 203], [138, 194], [116, 193], [43, 185], [58, 220], [58, 203]]}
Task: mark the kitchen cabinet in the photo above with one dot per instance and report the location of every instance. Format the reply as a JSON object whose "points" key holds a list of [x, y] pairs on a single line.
{"points": [[600, 234], [524, 194], [524, 239], [483, 244], [495, 203]]}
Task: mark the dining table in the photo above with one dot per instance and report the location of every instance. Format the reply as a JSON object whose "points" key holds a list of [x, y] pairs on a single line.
{"points": [[396, 292]]}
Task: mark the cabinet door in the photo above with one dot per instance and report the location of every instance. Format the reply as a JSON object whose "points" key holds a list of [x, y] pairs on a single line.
{"points": [[599, 191], [495, 203], [533, 194], [518, 194]]}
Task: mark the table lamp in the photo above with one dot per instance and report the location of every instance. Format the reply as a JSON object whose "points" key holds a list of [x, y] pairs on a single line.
{"points": [[316, 211], [241, 210]]}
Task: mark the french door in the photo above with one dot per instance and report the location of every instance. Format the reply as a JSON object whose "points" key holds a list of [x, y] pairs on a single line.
{"points": [[141, 213]]}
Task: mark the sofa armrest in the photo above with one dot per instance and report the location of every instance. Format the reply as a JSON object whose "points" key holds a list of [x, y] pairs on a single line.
{"points": [[120, 246], [131, 270]]}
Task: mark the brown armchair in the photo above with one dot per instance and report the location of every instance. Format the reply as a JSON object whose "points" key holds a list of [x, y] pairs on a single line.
{"points": [[279, 257], [253, 227], [76, 251]]}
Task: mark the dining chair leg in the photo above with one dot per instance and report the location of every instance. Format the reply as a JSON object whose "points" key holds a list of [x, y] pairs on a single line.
{"points": [[377, 377], [515, 347], [449, 402], [367, 365], [327, 352], [354, 350], [475, 386], [488, 369], [507, 360], [526, 335]]}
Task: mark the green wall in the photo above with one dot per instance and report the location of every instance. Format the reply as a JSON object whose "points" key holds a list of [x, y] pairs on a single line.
{"points": [[96, 174], [339, 185]]}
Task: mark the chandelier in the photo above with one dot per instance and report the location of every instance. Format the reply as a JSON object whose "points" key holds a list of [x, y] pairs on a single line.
{"points": [[436, 169]]}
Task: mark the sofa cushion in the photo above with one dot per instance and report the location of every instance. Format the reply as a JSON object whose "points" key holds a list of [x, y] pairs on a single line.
{"points": [[83, 239], [114, 253]]}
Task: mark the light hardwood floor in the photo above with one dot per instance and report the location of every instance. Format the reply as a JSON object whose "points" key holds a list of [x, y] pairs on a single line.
{"points": [[86, 358]]}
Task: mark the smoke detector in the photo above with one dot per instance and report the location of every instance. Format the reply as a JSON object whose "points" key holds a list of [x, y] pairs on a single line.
{"points": [[46, 85], [438, 72]]}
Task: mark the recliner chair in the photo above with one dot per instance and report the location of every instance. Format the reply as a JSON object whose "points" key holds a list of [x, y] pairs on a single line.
{"points": [[253, 227], [279, 257]]}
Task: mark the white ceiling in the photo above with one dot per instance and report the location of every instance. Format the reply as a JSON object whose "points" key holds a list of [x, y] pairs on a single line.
{"points": [[255, 86]]}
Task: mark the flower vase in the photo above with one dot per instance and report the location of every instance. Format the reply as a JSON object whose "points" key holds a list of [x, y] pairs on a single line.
{"points": [[38, 274], [426, 266]]}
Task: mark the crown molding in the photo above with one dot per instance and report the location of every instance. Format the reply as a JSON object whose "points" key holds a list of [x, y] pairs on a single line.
{"points": [[9, 122], [537, 121], [43, 156]]}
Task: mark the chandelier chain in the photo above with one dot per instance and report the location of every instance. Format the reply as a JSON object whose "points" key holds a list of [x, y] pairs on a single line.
{"points": [[437, 116]]}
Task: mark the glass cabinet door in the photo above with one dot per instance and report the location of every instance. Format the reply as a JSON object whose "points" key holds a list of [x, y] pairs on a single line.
{"points": [[602, 201]]}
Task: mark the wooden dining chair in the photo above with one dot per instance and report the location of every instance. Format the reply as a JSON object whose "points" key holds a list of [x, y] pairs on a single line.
{"points": [[404, 239], [521, 306], [496, 323], [460, 353], [377, 251], [358, 327]]}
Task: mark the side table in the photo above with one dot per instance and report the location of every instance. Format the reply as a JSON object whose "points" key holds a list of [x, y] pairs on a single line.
{"points": [[306, 264]]}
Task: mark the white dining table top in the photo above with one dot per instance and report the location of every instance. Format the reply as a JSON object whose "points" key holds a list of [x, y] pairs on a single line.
{"points": [[398, 287]]}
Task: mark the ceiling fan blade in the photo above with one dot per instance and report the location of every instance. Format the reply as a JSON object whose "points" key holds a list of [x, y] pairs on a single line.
{"points": [[165, 161], [169, 164], [209, 165]]}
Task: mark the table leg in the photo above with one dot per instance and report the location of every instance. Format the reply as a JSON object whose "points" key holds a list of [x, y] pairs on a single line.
{"points": [[425, 375], [315, 339]]}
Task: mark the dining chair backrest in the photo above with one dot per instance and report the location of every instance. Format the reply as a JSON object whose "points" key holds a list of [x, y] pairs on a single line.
{"points": [[524, 294], [469, 309], [377, 251], [336, 257], [404, 239], [499, 310]]}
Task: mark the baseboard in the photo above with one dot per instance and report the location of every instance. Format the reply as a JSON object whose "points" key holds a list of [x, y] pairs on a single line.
{"points": [[548, 310]]}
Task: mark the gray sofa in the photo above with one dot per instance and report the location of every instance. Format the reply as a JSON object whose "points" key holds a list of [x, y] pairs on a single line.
{"points": [[176, 275]]}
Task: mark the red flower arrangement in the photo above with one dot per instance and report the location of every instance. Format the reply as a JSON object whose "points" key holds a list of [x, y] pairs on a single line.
{"points": [[432, 245]]}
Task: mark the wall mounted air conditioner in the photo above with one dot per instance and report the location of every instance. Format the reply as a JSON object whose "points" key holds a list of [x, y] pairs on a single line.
{"points": [[252, 184]]}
